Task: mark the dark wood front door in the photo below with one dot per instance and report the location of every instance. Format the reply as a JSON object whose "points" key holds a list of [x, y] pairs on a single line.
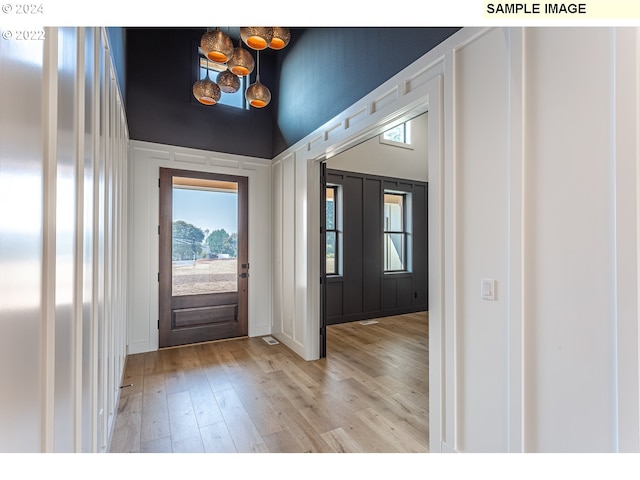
{"points": [[204, 269]]}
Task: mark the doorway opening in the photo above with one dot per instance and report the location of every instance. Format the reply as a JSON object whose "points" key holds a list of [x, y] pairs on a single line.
{"points": [[203, 245], [374, 230]]}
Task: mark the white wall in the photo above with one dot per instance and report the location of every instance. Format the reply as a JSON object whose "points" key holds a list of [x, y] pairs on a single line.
{"points": [[146, 159], [533, 182], [63, 138], [376, 158]]}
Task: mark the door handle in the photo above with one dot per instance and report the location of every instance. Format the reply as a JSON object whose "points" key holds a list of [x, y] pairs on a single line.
{"points": [[243, 275]]}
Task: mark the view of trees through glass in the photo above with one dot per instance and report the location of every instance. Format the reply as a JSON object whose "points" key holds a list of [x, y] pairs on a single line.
{"points": [[204, 240]]}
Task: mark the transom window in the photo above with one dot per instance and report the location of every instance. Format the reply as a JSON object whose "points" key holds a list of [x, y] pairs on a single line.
{"points": [[400, 136]]}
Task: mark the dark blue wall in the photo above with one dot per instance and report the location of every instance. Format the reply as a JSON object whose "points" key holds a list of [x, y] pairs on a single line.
{"points": [[322, 72], [118, 49], [326, 70], [161, 70]]}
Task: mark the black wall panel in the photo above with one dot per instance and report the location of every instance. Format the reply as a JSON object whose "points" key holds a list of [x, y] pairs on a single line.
{"points": [[372, 248], [363, 290], [352, 259]]}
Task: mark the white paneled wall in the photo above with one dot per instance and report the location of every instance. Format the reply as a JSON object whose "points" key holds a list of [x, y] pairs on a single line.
{"points": [[144, 170], [63, 175], [534, 167]]}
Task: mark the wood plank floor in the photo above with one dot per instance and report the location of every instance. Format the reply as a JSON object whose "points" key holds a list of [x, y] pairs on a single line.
{"points": [[369, 395]]}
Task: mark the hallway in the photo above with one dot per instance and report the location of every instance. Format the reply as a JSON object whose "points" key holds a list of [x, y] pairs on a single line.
{"points": [[369, 395]]}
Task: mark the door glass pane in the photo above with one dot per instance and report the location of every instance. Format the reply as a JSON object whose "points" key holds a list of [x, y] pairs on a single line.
{"points": [[204, 236]]}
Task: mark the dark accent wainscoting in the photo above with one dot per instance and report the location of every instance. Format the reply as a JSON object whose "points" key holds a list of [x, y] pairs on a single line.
{"points": [[363, 291]]}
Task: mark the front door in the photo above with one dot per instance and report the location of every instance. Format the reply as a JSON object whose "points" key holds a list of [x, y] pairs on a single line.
{"points": [[203, 278]]}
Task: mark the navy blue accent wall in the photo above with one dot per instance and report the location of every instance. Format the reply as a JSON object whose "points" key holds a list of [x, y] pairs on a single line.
{"points": [[322, 72], [326, 70], [118, 49], [161, 70]]}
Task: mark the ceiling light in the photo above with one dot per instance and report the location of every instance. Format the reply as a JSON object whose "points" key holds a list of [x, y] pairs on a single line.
{"points": [[242, 62], [257, 38], [228, 82], [257, 94], [217, 46], [281, 37], [206, 91]]}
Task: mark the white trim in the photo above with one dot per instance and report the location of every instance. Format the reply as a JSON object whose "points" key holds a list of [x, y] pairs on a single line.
{"points": [[146, 159], [417, 89], [50, 75], [79, 241], [516, 242]]}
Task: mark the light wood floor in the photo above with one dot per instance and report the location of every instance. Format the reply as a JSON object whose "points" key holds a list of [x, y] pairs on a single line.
{"points": [[369, 395]]}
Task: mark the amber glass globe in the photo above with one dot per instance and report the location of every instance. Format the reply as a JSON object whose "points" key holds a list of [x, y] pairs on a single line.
{"points": [[206, 91], [217, 46], [281, 37], [242, 63], [258, 95], [257, 38]]}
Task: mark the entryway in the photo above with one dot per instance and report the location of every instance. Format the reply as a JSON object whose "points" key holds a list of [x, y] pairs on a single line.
{"points": [[204, 269]]}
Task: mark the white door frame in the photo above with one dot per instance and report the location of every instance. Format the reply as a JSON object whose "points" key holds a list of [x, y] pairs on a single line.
{"points": [[430, 100]]}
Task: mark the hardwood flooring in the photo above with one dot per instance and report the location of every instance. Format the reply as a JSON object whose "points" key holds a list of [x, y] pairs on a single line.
{"points": [[369, 395]]}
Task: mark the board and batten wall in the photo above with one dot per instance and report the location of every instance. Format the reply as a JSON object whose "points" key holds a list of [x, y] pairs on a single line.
{"points": [[533, 141], [63, 250], [362, 289], [146, 159]]}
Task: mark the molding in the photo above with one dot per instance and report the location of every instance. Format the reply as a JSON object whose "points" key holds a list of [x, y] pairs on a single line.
{"points": [[446, 448], [151, 157], [516, 311], [50, 116]]}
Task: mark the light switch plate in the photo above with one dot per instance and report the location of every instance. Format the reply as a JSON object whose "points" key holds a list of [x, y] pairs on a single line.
{"points": [[487, 289]]}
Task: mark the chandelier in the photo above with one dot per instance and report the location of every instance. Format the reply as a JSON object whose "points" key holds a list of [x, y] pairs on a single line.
{"points": [[217, 47]]}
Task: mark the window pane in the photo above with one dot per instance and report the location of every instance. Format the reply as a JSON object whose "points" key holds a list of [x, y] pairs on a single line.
{"points": [[394, 255], [331, 253], [396, 134], [231, 99], [204, 237], [393, 216], [331, 209]]}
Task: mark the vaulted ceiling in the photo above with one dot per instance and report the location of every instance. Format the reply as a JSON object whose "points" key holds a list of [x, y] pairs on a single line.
{"points": [[319, 74]]}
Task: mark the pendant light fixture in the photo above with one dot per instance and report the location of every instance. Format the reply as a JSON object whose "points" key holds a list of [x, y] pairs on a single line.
{"points": [[242, 63], [228, 82], [257, 94], [217, 46], [206, 91], [280, 39], [233, 63], [257, 38]]}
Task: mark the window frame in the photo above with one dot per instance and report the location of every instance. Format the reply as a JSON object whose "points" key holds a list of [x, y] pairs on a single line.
{"points": [[336, 230], [406, 134], [405, 232], [200, 72]]}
